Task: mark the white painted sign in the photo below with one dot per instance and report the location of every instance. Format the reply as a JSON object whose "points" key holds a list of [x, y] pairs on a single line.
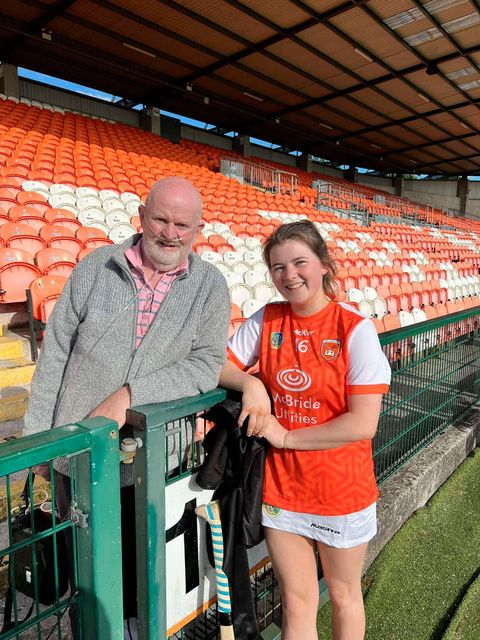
{"points": [[190, 577]]}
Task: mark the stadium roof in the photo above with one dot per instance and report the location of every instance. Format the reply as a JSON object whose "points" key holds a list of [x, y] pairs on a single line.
{"points": [[392, 85]]}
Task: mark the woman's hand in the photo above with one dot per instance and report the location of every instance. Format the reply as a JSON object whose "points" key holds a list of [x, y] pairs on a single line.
{"points": [[256, 406], [274, 432]]}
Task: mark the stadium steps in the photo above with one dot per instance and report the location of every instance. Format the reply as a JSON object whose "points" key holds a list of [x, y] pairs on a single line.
{"points": [[16, 371]]}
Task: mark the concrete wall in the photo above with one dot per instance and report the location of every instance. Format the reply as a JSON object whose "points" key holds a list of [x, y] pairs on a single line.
{"points": [[437, 193], [264, 153], [326, 171], [75, 102], [376, 182], [473, 202], [204, 137]]}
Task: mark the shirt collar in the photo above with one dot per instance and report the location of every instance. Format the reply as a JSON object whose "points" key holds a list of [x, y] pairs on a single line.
{"points": [[134, 256]]}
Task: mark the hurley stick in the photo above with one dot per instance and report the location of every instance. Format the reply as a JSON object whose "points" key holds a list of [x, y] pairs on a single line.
{"points": [[211, 513]]}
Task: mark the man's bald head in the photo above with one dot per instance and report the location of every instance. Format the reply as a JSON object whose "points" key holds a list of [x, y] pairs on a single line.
{"points": [[170, 220], [176, 189]]}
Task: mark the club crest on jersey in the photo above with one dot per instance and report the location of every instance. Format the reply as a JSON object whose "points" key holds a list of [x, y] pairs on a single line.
{"points": [[276, 339], [330, 349]]}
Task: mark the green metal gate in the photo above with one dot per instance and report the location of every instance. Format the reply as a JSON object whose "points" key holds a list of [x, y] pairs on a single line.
{"points": [[94, 524]]}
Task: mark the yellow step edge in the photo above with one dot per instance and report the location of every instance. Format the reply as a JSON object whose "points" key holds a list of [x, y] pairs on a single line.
{"points": [[10, 348], [16, 371]]}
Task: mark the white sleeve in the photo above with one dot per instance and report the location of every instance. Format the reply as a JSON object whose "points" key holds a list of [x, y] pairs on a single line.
{"points": [[368, 368], [244, 345]]}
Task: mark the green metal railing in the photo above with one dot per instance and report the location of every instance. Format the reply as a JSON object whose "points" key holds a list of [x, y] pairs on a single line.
{"points": [[435, 380], [92, 449]]}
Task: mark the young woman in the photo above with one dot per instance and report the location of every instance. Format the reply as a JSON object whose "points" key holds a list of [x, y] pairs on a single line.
{"points": [[322, 369]]}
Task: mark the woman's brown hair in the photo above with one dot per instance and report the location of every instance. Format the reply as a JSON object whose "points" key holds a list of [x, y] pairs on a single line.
{"points": [[306, 232]]}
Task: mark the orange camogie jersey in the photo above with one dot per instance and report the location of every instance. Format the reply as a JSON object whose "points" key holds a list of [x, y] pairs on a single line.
{"points": [[310, 365]]}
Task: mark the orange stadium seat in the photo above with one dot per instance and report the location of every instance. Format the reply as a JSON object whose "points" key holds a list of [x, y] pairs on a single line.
{"points": [[90, 233], [55, 262], [93, 243], [41, 296], [22, 236], [16, 273]]}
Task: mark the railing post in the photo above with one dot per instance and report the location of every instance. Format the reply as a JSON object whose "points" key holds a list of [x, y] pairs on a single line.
{"points": [[97, 494], [149, 474]]}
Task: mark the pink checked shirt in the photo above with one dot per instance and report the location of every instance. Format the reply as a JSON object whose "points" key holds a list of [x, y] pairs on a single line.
{"points": [[150, 299]]}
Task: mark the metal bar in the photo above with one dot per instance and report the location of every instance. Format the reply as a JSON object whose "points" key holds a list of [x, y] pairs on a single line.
{"points": [[97, 485], [36, 449], [149, 474]]}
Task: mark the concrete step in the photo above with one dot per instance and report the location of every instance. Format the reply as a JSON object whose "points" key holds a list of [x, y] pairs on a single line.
{"points": [[11, 347], [17, 371], [13, 402], [10, 430]]}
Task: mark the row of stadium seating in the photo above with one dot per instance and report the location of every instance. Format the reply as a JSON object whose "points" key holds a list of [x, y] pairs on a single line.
{"points": [[69, 183]]}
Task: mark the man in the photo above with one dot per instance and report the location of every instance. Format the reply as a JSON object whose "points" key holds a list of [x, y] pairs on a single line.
{"points": [[137, 323]]}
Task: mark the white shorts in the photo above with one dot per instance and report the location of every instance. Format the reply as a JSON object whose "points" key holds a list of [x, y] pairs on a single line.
{"points": [[336, 531]]}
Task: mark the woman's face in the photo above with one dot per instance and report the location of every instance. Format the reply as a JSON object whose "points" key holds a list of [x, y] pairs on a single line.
{"points": [[298, 275]]}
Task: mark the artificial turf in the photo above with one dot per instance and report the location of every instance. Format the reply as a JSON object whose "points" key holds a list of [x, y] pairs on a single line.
{"points": [[425, 584]]}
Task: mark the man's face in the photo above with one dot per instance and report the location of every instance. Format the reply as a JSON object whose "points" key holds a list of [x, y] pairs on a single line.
{"points": [[169, 229]]}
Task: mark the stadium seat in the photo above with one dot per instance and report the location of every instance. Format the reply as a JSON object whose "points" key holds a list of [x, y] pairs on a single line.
{"points": [[230, 276], [264, 291], [21, 236], [419, 315], [366, 307], [391, 322], [250, 306], [16, 273], [239, 293], [405, 318], [252, 277], [355, 295], [41, 296], [55, 262], [93, 243]]}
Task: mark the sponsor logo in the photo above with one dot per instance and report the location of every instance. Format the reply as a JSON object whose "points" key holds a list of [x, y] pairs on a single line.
{"points": [[322, 528], [276, 339], [294, 379], [330, 349], [303, 332]]}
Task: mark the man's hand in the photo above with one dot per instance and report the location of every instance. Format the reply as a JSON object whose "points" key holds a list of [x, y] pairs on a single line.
{"points": [[42, 470], [114, 406]]}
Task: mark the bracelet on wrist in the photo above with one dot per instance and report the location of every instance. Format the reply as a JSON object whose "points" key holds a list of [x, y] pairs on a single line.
{"points": [[285, 438]]}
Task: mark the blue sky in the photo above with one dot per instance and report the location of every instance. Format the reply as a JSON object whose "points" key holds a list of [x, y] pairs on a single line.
{"points": [[94, 93]]}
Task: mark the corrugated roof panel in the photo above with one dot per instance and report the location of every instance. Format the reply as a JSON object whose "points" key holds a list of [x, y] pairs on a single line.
{"points": [[284, 13], [187, 25], [21, 11], [275, 70], [337, 118], [305, 60], [408, 137], [231, 18], [363, 113], [362, 28], [468, 38], [259, 88], [120, 50], [374, 100]]}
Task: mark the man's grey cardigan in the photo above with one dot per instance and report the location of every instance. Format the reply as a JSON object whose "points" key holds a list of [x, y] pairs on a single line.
{"points": [[89, 347]]}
